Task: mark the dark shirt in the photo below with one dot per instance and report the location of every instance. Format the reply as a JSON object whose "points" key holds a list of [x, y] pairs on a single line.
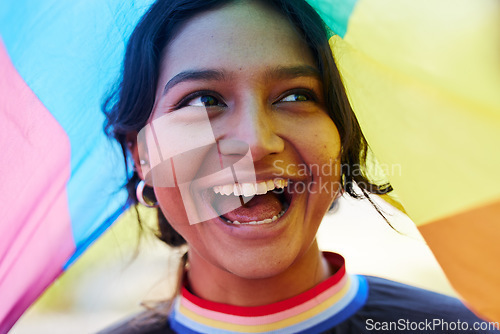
{"points": [[391, 307]]}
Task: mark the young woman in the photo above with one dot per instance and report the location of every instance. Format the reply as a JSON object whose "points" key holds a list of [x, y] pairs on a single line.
{"points": [[222, 107]]}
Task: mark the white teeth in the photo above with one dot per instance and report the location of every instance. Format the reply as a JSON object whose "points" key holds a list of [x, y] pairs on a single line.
{"points": [[226, 190], [280, 183], [237, 190], [250, 189], [260, 222], [261, 188]]}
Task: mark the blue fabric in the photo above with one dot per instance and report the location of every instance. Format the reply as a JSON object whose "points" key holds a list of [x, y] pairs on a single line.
{"points": [[335, 13], [70, 53]]}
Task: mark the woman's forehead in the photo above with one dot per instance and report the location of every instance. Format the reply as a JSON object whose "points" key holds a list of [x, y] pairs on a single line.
{"points": [[244, 36]]}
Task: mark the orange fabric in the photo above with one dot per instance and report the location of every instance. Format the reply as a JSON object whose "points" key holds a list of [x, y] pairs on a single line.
{"points": [[466, 246]]}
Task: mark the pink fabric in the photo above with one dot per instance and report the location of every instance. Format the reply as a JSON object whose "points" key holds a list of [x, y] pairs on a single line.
{"points": [[35, 226], [267, 319]]}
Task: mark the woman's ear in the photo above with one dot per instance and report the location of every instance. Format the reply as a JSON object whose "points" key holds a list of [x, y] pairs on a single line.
{"points": [[134, 151]]}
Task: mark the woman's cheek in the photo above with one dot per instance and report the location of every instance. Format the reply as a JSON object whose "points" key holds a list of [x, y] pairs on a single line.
{"points": [[316, 138], [172, 206]]}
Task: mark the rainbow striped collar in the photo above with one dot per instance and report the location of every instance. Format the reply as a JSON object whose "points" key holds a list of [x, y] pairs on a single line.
{"points": [[314, 311]]}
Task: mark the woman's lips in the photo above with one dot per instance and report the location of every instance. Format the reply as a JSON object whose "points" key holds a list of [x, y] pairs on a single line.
{"points": [[258, 232], [239, 211], [261, 208], [257, 204], [251, 232]]}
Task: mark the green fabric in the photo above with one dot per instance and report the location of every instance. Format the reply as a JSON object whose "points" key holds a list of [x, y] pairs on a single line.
{"points": [[335, 13]]}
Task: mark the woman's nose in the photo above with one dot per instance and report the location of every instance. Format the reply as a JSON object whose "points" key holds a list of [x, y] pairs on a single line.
{"points": [[253, 125]]}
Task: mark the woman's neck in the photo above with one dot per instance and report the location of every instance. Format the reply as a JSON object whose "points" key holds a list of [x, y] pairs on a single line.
{"points": [[215, 284]]}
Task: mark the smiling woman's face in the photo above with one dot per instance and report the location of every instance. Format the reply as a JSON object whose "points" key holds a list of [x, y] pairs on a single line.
{"points": [[247, 67]]}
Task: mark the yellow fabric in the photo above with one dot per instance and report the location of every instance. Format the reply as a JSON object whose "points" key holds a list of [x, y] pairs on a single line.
{"points": [[424, 80]]}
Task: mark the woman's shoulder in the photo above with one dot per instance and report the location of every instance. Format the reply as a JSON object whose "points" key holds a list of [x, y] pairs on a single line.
{"points": [[153, 320], [384, 293], [416, 310]]}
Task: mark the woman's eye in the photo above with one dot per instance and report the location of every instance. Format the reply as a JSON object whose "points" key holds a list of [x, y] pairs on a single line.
{"points": [[296, 97], [205, 101]]}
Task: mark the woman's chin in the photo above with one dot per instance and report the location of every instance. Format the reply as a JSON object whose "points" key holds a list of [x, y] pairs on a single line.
{"points": [[261, 264]]}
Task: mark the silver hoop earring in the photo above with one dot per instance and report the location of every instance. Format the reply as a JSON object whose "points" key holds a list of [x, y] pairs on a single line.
{"points": [[140, 196]]}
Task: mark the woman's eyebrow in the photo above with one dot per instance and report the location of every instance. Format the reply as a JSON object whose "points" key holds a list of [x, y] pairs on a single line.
{"points": [[279, 72], [290, 72], [193, 76]]}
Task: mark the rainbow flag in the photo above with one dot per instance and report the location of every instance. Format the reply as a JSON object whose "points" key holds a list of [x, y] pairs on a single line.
{"points": [[423, 78], [60, 176]]}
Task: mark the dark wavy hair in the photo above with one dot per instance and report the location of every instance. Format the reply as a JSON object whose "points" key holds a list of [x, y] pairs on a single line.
{"points": [[129, 107]]}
